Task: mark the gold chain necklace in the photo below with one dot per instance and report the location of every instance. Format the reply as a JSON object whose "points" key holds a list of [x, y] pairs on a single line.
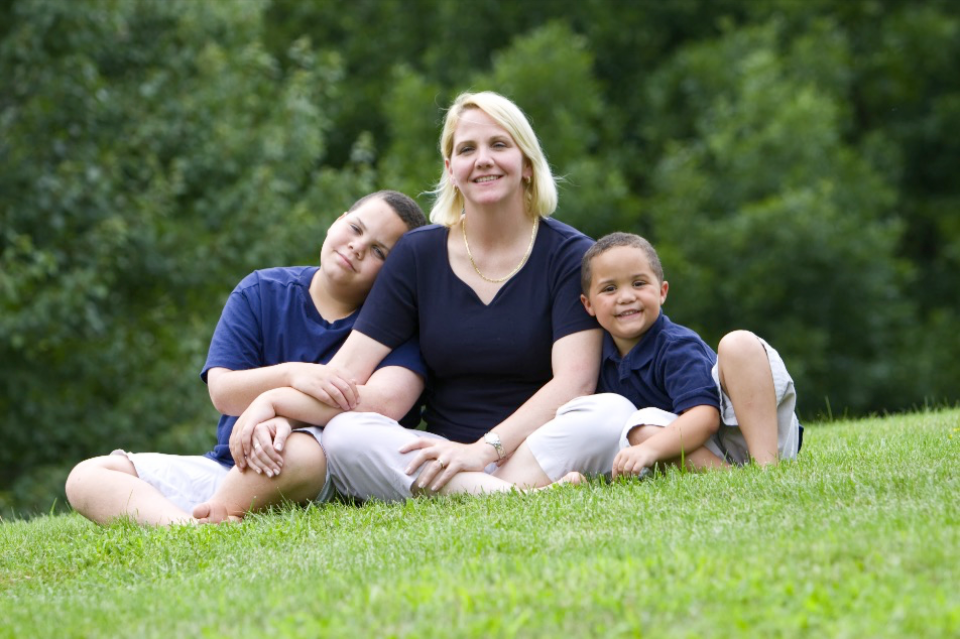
{"points": [[533, 236]]}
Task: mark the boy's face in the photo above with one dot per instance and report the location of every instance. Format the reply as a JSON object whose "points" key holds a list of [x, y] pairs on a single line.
{"points": [[358, 243], [625, 295]]}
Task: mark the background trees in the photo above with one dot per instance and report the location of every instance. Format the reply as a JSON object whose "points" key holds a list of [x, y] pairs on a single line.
{"points": [[793, 161]]}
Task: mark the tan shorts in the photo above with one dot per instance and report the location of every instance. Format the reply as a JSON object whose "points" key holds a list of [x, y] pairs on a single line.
{"points": [[728, 442]]}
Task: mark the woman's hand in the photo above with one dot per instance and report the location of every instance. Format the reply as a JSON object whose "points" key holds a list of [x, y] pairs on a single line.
{"points": [[269, 438], [441, 460], [333, 386]]}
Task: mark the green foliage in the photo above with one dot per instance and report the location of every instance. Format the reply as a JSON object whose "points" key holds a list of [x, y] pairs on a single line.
{"points": [[186, 159], [858, 538], [795, 241], [794, 161]]}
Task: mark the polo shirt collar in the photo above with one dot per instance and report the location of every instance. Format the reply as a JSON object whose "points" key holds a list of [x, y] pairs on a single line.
{"points": [[639, 355]]}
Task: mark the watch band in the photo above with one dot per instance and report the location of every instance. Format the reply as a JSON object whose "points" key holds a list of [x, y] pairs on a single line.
{"points": [[494, 440]]}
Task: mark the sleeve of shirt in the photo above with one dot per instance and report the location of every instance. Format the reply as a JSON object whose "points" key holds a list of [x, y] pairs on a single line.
{"points": [[687, 375], [237, 341], [569, 316], [408, 356], [389, 314]]}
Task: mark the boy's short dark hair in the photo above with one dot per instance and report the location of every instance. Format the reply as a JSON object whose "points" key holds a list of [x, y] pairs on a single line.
{"points": [[403, 205], [614, 240]]}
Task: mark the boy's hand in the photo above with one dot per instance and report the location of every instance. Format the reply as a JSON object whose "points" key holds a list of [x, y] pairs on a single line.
{"points": [[241, 439], [331, 385], [268, 440], [633, 461]]}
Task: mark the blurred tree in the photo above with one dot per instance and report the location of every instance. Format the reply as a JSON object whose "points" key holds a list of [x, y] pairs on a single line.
{"points": [[539, 66], [793, 160], [151, 154], [794, 240]]}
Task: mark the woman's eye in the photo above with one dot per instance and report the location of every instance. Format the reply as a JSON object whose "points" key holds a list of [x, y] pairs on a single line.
{"points": [[465, 149], [356, 228]]}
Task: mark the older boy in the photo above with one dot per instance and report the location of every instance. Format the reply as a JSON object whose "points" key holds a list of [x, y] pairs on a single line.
{"points": [[277, 329], [707, 410]]}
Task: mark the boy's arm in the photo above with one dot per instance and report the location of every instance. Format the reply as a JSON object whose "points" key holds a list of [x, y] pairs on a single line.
{"points": [[233, 391], [390, 391], [684, 435]]}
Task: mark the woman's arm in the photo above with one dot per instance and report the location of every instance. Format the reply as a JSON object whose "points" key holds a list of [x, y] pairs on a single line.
{"points": [[233, 391], [576, 365], [391, 391], [360, 355]]}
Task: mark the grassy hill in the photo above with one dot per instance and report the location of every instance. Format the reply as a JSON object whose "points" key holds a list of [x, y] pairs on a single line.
{"points": [[859, 538]]}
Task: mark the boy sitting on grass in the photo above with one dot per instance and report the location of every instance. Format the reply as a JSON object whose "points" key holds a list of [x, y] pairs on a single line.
{"points": [[708, 410], [277, 329]]}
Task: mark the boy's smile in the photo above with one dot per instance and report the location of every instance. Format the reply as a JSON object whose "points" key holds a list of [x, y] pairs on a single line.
{"points": [[358, 243], [625, 295]]}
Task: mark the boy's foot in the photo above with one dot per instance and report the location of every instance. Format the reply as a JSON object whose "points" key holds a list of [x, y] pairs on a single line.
{"points": [[572, 478], [212, 513], [569, 478]]}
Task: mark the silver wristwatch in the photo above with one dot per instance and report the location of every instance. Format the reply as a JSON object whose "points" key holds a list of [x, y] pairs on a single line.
{"points": [[494, 440]]}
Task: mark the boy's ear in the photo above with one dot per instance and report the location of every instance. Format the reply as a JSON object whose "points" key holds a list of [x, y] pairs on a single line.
{"points": [[663, 291], [586, 304]]}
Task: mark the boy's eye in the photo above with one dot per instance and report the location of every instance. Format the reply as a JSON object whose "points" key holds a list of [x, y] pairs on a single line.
{"points": [[379, 252], [608, 289], [639, 283]]}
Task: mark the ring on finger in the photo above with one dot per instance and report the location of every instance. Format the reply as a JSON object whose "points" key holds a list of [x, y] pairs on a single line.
{"points": [[442, 463]]}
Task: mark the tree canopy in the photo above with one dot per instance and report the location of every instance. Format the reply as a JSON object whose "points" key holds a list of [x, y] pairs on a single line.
{"points": [[793, 162]]}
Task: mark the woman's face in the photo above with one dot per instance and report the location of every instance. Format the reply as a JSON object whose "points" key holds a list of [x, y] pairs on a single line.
{"points": [[486, 164]]}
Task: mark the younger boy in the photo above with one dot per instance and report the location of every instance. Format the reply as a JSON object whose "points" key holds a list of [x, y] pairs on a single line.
{"points": [[709, 410], [277, 329]]}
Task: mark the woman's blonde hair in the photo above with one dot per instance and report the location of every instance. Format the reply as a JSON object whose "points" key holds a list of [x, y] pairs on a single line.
{"points": [[540, 193]]}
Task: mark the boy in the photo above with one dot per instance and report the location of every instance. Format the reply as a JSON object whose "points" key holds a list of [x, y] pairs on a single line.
{"points": [[277, 329], [709, 411]]}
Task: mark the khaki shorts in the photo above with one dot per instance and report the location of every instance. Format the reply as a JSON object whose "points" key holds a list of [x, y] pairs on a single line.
{"points": [[728, 442]]}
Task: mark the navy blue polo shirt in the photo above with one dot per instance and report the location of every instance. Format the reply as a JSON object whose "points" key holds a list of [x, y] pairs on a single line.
{"points": [[670, 369], [483, 360], [271, 319]]}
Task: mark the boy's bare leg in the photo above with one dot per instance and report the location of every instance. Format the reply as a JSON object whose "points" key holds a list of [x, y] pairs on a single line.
{"points": [[304, 473], [105, 488], [696, 460], [746, 378]]}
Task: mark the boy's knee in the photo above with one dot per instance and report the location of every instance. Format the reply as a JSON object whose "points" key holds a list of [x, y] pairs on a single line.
{"points": [[80, 480], [737, 344], [641, 433], [302, 450]]}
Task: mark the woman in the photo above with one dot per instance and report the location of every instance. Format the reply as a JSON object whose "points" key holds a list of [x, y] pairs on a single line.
{"points": [[492, 292]]}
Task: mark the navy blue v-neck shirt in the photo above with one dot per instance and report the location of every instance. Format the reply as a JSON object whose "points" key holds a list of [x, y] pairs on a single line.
{"points": [[483, 360]]}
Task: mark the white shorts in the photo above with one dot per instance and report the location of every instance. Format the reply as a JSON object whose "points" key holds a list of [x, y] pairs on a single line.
{"points": [[190, 480], [728, 442]]}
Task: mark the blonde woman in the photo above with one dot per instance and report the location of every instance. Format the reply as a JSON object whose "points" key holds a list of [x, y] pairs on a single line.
{"points": [[492, 291]]}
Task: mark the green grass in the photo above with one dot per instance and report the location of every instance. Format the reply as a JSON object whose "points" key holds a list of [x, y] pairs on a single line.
{"points": [[859, 538]]}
